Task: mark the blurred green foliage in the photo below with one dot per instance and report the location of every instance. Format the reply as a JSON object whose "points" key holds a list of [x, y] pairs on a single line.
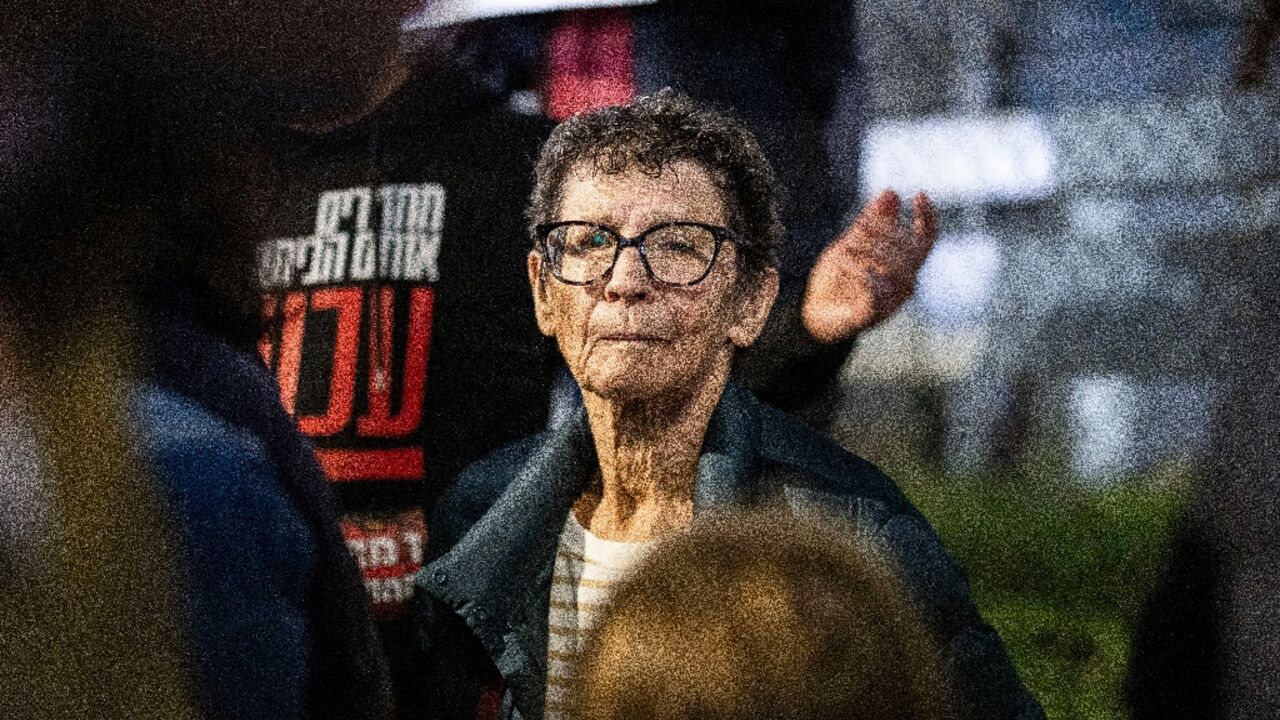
{"points": [[1060, 570]]}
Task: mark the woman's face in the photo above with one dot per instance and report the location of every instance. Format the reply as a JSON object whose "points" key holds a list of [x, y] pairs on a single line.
{"points": [[628, 336]]}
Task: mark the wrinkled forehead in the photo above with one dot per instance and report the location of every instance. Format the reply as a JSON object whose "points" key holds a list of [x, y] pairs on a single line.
{"points": [[682, 190]]}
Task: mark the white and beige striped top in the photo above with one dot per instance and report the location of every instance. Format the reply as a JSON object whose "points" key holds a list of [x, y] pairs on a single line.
{"points": [[586, 571]]}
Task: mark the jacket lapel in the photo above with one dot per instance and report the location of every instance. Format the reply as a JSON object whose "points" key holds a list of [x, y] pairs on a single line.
{"points": [[727, 466], [499, 574]]}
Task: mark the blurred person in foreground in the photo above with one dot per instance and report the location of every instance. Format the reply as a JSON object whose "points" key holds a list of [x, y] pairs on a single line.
{"points": [[203, 566], [759, 616], [655, 226], [1207, 642]]}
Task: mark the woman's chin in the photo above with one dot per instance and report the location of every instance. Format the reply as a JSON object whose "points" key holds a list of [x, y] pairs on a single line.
{"points": [[623, 385]]}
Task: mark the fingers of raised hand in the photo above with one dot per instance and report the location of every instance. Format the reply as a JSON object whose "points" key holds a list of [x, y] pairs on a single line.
{"points": [[877, 221], [925, 226]]}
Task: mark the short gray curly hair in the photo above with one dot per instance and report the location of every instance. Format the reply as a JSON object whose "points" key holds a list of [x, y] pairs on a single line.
{"points": [[650, 134]]}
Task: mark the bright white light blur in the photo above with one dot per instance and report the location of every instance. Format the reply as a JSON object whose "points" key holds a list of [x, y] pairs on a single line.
{"points": [[1104, 416], [956, 282], [439, 13], [961, 160]]}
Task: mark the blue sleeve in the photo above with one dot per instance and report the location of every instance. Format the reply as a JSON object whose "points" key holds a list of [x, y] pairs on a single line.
{"points": [[248, 557]]}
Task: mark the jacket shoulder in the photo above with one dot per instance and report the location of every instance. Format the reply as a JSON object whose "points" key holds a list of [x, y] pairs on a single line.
{"points": [[474, 491], [809, 463], [818, 478]]}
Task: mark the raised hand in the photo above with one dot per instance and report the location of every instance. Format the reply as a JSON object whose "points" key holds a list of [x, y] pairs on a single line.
{"points": [[866, 273]]}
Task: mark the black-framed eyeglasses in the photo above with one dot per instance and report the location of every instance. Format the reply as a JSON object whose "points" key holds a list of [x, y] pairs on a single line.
{"points": [[675, 253]]}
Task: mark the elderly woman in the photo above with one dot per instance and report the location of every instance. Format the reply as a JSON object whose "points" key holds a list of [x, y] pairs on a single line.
{"points": [[655, 225]]}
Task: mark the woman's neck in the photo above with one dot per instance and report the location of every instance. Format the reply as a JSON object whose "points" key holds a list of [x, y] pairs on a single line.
{"points": [[648, 453]]}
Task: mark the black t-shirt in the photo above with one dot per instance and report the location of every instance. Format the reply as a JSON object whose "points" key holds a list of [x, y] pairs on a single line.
{"points": [[400, 318], [401, 324]]}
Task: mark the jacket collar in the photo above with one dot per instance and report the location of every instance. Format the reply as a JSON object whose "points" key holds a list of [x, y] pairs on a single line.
{"points": [[498, 576]]}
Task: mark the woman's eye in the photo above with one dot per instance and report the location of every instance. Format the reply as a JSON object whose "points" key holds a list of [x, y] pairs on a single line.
{"points": [[598, 240], [676, 246]]}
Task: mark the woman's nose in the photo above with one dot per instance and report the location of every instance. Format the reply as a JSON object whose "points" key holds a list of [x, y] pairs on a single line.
{"points": [[629, 278]]}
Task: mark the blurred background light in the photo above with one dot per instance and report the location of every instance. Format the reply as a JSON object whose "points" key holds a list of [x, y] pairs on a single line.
{"points": [[438, 13], [961, 159], [956, 283]]}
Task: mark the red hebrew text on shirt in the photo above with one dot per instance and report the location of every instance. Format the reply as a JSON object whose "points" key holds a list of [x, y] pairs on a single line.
{"points": [[388, 549]]}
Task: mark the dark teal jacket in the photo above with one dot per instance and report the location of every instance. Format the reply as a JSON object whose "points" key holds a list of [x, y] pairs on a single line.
{"points": [[483, 598]]}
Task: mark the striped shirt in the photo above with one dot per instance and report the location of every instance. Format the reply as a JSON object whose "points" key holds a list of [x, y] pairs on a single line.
{"points": [[586, 571]]}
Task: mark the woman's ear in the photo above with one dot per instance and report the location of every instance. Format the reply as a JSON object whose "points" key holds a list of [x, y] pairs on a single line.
{"points": [[541, 303], [754, 304]]}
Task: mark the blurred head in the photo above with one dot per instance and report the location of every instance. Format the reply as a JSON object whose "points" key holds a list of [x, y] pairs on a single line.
{"points": [[137, 132], [761, 618], [654, 225], [288, 56]]}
